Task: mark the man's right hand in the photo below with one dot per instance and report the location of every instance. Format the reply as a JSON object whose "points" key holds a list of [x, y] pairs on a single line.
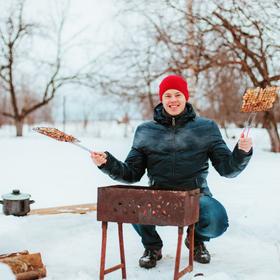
{"points": [[99, 158]]}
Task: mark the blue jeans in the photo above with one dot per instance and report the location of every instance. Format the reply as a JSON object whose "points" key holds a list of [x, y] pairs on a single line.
{"points": [[213, 222]]}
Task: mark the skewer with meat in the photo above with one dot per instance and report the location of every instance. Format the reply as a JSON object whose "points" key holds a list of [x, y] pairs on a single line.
{"points": [[56, 134], [60, 136], [257, 100]]}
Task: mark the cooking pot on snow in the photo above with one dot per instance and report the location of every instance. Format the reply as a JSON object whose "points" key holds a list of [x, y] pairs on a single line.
{"points": [[16, 203]]}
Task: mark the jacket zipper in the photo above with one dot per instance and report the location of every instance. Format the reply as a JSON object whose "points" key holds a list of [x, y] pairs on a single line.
{"points": [[173, 166], [173, 122]]}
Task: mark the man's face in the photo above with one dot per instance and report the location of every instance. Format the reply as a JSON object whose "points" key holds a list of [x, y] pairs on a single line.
{"points": [[174, 102]]}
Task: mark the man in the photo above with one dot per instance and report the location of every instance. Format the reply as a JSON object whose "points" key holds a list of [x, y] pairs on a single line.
{"points": [[175, 149]]}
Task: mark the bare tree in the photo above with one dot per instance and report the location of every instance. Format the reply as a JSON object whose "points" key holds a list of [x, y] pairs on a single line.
{"points": [[16, 33], [223, 96], [246, 43], [139, 63], [243, 35], [216, 35], [139, 68]]}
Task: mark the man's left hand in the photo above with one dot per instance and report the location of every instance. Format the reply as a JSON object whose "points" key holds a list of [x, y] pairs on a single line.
{"points": [[245, 144]]}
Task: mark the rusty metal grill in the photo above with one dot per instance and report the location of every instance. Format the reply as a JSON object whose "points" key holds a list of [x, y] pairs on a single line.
{"points": [[146, 205]]}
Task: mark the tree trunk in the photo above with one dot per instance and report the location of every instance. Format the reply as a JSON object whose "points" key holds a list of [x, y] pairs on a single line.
{"points": [[271, 126], [19, 126], [151, 101]]}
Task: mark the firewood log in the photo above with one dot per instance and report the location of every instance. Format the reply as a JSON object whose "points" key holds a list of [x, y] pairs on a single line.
{"points": [[25, 266], [72, 209], [25, 252]]}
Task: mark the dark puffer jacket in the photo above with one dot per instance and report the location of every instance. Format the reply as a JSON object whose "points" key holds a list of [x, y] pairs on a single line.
{"points": [[175, 151]]}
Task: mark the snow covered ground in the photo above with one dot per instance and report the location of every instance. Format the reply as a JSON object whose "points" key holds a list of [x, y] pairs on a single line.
{"points": [[57, 173]]}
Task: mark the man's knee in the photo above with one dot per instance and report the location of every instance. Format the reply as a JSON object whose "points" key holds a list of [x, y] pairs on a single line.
{"points": [[218, 225], [213, 220]]}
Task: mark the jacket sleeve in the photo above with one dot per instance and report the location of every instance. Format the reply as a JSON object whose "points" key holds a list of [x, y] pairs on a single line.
{"points": [[228, 164], [129, 171]]}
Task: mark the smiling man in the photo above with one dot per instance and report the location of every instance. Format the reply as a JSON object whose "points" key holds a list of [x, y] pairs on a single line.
{"points": [[175, 149]]}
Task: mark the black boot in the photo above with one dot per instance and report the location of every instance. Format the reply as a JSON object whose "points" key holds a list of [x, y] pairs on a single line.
{"points": [[201, 254], [150, 258]]}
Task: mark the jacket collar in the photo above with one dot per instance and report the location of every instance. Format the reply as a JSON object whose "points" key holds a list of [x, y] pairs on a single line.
{"points": [[162, 117]]}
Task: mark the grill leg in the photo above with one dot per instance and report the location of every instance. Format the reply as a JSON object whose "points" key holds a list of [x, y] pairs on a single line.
{"points": [[178, 253], [120, 229], [177, 273], [103, 250], [191, 242]]}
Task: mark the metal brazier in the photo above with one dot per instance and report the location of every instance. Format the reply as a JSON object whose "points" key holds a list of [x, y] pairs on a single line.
{"points": [[148, 205]]}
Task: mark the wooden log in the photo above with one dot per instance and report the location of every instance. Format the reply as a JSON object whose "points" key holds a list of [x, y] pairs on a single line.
{"points": [[25, 252], [26, 266], [30, 275], [73, 209]]}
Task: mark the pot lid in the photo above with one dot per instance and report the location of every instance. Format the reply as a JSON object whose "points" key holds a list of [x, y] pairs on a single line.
{"points": [[16, 195]]}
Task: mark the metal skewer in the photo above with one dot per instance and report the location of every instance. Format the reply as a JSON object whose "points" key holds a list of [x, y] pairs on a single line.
{"points": [[249, 124], [81, 146], [60, 136]]}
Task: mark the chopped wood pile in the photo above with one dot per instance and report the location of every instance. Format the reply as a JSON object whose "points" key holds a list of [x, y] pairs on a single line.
{"points": [[24, 265]]}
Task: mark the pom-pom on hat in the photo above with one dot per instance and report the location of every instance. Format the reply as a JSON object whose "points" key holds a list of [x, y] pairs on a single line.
{"points": [[174, 82]]}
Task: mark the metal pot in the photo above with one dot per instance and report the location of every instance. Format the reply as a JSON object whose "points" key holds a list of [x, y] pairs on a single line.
{"points": [[16, 203]]}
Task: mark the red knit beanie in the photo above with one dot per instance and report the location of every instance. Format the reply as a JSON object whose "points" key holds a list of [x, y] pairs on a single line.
{"points": [[173, 82]]}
